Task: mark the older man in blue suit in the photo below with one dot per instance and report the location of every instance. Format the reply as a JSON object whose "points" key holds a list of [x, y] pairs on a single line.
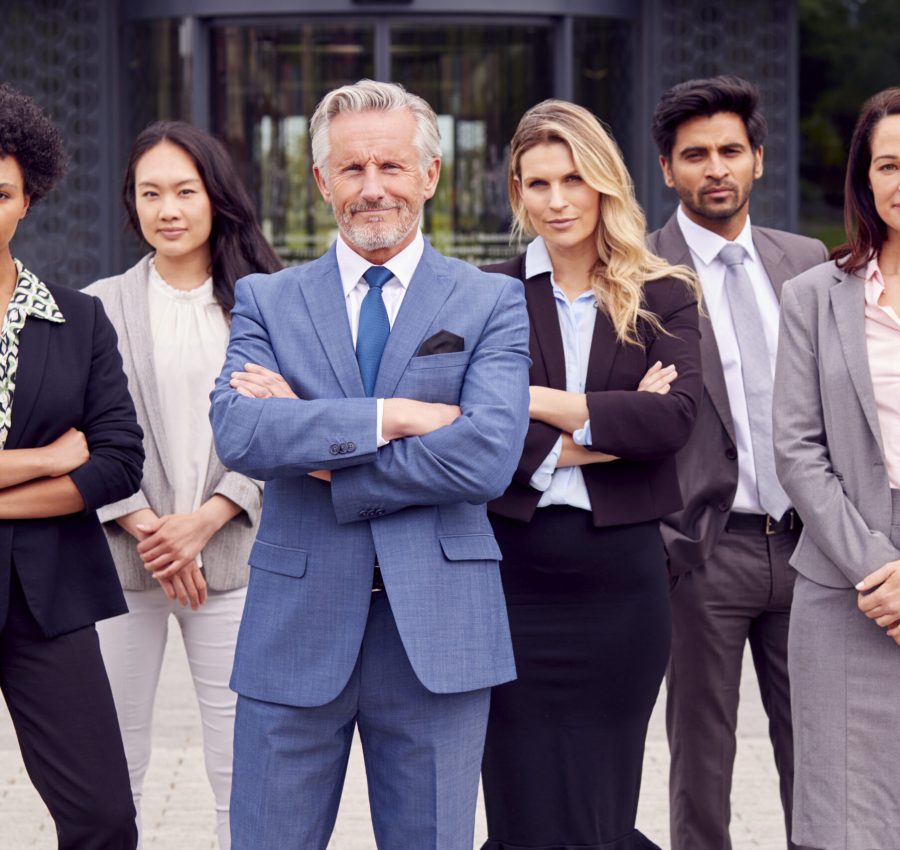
{"points": [[382, 392]]}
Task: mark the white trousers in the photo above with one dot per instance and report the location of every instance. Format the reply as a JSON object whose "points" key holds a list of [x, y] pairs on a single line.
{"points": [[133, 646]]}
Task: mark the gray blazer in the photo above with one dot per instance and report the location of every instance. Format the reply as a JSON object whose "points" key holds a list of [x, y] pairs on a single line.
{"points": [[226, 555], [707, 465], [828, 448]]}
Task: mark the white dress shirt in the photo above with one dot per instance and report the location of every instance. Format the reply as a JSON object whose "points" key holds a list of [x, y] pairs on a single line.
{"points": [[352, 267], [705, 246], [565, 485]]}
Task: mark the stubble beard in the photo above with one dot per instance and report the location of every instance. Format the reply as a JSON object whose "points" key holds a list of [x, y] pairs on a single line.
{"points": [[378, 235], [712, 211]]}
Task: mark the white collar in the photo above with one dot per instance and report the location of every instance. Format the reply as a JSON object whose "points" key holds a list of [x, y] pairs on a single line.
{"points": [[706, 245], [537, 259], [403, 265]]}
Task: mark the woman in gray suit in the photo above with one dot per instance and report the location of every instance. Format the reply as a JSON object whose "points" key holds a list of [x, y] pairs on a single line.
{"points": [[837, 445], [185, 536]]}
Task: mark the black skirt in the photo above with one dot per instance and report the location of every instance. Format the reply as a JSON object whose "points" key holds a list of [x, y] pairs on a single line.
{"points": [[591, 629]]}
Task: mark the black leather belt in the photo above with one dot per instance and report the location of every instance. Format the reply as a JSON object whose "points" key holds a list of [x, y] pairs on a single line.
{"points": [[377, 580], [762, 523]]}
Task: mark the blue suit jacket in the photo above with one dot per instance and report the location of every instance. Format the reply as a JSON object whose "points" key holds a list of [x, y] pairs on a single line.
{"points": [[416, 506]]}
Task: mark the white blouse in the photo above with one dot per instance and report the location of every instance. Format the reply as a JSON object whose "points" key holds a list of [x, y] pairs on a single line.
{"points": [[190, 335]]}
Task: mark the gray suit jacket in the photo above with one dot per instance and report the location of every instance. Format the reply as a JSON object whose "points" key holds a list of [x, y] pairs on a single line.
{"points": [[707, 465], [828, 446], [225, 558]]}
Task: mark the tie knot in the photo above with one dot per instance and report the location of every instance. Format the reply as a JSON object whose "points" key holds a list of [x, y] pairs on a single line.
{"points": [[377, 276], [732, 254]]}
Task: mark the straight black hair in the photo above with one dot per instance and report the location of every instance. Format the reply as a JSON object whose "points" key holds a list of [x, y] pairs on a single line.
{"points": [[707, 97], [237, 246]]}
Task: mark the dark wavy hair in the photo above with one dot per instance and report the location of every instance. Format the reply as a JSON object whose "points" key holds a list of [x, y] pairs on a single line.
{"points": [[27, 135], [866, 232], [237, 245], [707, 97]]}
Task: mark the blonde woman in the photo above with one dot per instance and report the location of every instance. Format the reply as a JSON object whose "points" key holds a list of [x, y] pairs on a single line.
{"points": [[615, 387]]}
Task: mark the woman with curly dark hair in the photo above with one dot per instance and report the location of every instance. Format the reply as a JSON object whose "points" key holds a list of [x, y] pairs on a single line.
{"points": [[69, 444], [186, 536]]}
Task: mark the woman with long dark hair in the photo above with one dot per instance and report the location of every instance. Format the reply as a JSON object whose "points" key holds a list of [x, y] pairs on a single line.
{"points": [[837, 447], [615, 385], [69, 443], [181, 544]]}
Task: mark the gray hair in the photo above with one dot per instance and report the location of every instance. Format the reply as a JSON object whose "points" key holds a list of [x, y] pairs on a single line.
{"points": [[367, 95]]}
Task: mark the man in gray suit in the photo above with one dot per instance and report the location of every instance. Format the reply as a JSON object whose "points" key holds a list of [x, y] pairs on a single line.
{"points": [[729, 547]]}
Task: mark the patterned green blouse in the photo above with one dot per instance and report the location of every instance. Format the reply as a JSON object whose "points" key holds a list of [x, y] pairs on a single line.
{"points": [[30, 298]]}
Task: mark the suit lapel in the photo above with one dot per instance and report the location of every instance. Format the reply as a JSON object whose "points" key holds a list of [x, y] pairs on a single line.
{"points": [[34, 343], [324, 295], [773, 259], [429, 288], [674, 248], [848, 302], [545, 323], [139, 339]]}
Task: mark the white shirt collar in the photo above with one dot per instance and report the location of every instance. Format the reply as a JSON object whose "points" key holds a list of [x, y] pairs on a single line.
{"points": [[705, 244], [537, 259], [403, 265]]}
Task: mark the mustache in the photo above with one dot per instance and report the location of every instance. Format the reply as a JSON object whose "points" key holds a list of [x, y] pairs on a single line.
{"points": [[715, 187], [364, 207]]}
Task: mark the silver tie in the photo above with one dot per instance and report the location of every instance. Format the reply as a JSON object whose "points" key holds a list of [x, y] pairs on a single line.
{"points": [[756, 371]]}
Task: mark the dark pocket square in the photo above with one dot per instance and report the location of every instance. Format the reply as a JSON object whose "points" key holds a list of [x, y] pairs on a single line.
{"points": [[443, 342]]}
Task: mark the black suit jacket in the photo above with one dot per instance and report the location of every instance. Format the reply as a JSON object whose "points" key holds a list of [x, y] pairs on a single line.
{"points": [[70, 375], [707, 465], [643, 429]]}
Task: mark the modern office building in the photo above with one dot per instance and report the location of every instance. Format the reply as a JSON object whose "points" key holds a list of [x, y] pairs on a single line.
{"points": [[252, 71]]}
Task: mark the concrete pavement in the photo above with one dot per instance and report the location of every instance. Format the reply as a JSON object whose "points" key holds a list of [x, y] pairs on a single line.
{"points": [[178, 808]]}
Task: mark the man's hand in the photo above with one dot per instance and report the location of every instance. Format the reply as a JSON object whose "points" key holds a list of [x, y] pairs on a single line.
{"points": [[879, 596], [658, 378], [173, 542], [65, 453], [259, 382], [405, 417]]}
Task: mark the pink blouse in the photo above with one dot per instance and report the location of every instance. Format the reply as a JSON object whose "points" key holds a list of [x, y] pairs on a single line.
{"points": [[883, 343]]}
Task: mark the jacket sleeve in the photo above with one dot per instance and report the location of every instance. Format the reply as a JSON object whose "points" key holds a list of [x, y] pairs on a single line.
{"points": [[110, 426], [473, 458], [642, 425], [245, 492], [801, 455], [282, 437]]}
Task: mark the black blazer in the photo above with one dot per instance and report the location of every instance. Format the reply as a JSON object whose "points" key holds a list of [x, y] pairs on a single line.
{"points": [[643, 429], [70, 376]]}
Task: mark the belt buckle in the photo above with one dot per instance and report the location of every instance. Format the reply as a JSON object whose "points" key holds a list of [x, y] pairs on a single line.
{"points": [[770, 530]]}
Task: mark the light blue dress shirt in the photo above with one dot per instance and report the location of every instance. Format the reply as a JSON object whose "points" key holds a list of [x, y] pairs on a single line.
{"points": [[565, 486]]}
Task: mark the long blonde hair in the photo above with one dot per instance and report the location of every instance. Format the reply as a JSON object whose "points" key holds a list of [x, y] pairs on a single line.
{"points": [[624, 264]]}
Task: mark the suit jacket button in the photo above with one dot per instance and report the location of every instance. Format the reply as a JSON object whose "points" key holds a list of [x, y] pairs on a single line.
{"points": [[378, 512], [724, 506], [731, 453], [351, 447], [343, 448], [335, 449], [364, 514]]}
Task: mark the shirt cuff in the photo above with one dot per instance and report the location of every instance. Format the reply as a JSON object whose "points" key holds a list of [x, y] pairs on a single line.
{"points": [[582, 437], [543, 475], [379, 414]]}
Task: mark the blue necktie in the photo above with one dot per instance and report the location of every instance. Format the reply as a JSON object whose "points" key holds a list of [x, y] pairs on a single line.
{"points": [[374, 327]]}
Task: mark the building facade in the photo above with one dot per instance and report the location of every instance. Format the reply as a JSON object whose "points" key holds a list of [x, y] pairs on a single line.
{"points": [[252, 71]]}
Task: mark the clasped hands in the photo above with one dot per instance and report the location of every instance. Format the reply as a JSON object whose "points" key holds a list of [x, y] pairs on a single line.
{"points": [[401, 417], [879, 598]]}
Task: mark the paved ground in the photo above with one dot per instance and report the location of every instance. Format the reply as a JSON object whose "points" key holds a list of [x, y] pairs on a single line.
{"points": [[178, 803]]}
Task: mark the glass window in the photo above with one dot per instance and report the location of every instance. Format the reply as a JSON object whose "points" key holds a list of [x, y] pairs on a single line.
{"points": [[479, 79], [604, 75], [266, 84], [158, 73]]}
